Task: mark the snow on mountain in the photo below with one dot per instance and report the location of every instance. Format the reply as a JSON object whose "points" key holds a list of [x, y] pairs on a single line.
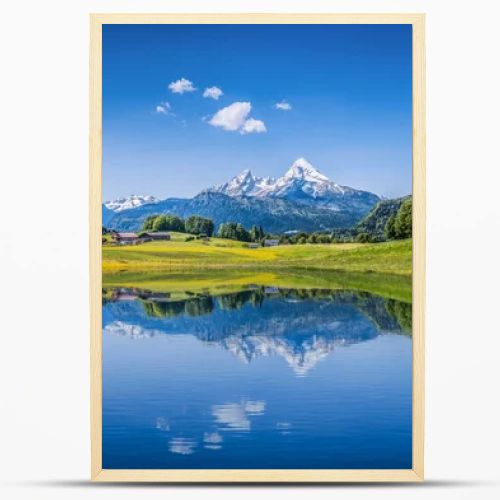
{"points": [[132, 201], [301, 199], [300, 180], [244, 184]]}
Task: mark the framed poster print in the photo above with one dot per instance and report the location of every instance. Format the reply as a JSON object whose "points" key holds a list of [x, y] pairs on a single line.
{"points": [[257, 247]]}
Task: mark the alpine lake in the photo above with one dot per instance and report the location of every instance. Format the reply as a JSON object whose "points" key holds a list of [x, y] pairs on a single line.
{"points": [[309, 370]]}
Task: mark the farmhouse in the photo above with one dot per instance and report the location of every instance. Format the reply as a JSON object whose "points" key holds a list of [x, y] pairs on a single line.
{"points": [[124, 238], [271, 243], [253, 245], [158, 236]]}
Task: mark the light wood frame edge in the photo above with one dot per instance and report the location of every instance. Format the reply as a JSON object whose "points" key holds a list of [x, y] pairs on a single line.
{"points": [[419, 252], [95, 249]]}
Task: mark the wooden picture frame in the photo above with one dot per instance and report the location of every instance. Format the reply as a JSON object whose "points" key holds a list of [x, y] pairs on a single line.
{"points": [[418, 286]]}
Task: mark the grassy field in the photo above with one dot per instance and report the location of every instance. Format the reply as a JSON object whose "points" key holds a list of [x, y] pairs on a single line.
{"points": [[222, 266], [176, 255]]}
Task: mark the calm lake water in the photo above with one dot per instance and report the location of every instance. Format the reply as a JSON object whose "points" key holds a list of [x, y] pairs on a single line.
{"points": [[265, 378]]}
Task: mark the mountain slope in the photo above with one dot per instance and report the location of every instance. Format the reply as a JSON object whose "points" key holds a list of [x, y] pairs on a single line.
{"points": [[375, 221], [274, 215], [107, 215]]}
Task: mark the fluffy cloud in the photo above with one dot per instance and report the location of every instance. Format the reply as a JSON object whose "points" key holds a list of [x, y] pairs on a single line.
{"points": [[235, 117], [283, 105], [181, 86], [163, 108], [231, 117], [213, 93], [253, 126]]}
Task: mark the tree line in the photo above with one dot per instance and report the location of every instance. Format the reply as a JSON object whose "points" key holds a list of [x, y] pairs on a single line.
{"points": [[193, 224], [202, 226], [398, 226], [236, 231]]}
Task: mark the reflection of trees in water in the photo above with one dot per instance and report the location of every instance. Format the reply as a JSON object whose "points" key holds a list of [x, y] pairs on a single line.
{"points": [[199, 306], [387, 314], [402, 311], [163, 309], [239, 299], [196, 306]]}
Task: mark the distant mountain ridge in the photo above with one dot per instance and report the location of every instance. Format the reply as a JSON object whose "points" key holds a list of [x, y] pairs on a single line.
{"points": [[302, 199], [132, 201]]}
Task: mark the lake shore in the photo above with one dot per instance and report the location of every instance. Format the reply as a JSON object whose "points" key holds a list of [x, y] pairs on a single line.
{"points": [[221, 266]]}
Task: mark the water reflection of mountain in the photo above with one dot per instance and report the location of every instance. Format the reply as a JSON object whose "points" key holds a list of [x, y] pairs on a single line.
{"points": [[301, 325]]}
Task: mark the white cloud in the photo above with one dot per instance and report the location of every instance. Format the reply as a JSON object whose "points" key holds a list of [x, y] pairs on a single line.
{"points": [[253, 126], [235, 117], [283, 105], [181, 86], [231, 117], [213, 93], [163, 108]]}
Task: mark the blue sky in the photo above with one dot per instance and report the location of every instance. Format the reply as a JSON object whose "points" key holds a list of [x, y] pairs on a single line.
{"points": [[348, 86]]}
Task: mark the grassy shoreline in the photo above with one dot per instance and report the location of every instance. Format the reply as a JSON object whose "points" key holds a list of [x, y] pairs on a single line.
{"points": [[181, 285], [223, 266]]}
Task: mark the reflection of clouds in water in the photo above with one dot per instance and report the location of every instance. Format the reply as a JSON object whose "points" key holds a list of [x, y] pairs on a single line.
{"points": [[234, 416], [230, 417], [212, 440], [182, 446], [162, 424], [284, 427], [255, 407]]}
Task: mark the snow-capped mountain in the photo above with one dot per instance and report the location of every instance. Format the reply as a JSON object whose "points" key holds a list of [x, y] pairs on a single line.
{"points": [[132, 201], [300, 181], [301, 199]]}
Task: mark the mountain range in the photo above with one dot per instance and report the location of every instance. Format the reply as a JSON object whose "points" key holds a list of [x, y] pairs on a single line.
{"points": [[132, 201], [301, 199], [300, 182]]}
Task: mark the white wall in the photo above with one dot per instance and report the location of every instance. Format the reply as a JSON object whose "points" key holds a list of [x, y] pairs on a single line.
{"points": [[44, 436]]}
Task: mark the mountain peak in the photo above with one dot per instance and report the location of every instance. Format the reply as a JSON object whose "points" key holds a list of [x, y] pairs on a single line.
{"points": [[303, 163], [302, 169], [244, 174]]}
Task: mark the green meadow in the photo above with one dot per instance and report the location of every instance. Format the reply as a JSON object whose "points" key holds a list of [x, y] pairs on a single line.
{"points": [[222, 266]]}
